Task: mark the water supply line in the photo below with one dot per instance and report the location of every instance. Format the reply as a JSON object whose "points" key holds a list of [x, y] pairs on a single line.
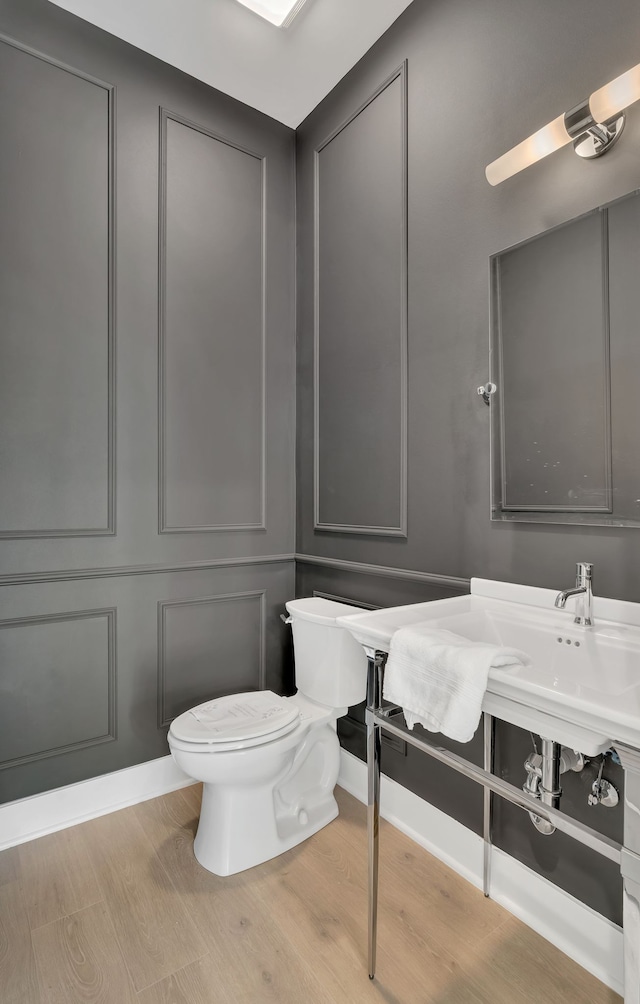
{"points": [[543, 777]]}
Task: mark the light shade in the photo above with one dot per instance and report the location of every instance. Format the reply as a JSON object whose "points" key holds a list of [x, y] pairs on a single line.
{"points": [[278, 12], [611, 99], [551, 137]]}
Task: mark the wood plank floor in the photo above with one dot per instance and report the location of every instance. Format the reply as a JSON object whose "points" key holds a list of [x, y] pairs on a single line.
{"points": [[118, 911]]}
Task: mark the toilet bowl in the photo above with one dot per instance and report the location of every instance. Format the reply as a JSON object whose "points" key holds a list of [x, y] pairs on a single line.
{"points": [[269, 764]]}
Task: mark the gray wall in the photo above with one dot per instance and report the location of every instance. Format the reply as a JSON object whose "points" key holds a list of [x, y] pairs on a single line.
{"points": [[147, 518], [481, 76], [147, 288]]}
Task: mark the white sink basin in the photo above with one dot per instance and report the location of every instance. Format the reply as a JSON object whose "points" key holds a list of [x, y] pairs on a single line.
{"points": [[582, 686]]}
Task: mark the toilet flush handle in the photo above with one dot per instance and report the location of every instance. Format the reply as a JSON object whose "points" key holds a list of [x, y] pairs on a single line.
{"points": [[285, 619]]}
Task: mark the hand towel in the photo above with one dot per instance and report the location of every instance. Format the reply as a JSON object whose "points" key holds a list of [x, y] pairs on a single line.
{"points": [[439, 678]]}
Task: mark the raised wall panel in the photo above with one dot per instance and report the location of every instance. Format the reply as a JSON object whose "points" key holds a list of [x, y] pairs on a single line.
{"points": [[212, 332], [361, 318], [58, 684], [56, 299], [183, 636], [208, 647]]}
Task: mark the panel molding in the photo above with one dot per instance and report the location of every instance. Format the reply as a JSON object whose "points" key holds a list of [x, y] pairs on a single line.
{"points": [[401, 529], [360, 568], [110, 89], [163, 526], [115, 571], [164, 605], [110, 614], [345, 599]]}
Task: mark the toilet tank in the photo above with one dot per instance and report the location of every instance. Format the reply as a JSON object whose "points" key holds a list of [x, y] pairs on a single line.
{"points": [[330, 665]]}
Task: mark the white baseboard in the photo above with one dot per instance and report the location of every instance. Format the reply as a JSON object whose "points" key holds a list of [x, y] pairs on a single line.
{"points": [[585, 936], [38, 815]]}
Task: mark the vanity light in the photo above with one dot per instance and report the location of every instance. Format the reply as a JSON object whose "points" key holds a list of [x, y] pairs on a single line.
{"points": [[278, 12], [593, 126]]}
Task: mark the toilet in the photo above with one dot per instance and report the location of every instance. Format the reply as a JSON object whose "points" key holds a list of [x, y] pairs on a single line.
{"points": [[269, 764]]}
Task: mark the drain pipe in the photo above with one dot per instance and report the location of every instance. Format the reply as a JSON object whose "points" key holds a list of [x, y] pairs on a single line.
{"points": [[543, 778], [550, 790]]}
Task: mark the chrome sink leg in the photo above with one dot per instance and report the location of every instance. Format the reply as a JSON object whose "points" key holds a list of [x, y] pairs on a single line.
{"points": [[374, 701], [489, 750], [373, 833]]}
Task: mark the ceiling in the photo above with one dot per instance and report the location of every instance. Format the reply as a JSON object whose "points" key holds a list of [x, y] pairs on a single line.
{"points": [[282, 72]]}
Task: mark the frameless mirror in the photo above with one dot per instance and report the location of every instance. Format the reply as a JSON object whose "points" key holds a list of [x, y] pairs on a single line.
{"points": [[565, 356]]}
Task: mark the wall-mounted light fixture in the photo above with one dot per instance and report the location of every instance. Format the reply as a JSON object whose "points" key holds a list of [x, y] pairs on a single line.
{"points": [[593, 126], [278, 12]]}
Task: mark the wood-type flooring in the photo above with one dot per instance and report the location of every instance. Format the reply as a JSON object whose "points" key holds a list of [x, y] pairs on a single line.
{"points": [[118, 911]]}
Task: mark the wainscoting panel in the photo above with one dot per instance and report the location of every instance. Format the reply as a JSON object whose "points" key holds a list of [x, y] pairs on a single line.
{"points": [[212, 332], [57, 296], [183, 637], [199, 639], [361, 319], [58, 684]]}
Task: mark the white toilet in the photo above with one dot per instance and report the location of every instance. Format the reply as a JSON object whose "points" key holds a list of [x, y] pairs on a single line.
{"points": [[269, 764]]}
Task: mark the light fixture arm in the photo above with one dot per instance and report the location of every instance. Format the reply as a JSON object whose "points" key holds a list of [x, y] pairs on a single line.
{"points": [[579, 119], [590, 138]]}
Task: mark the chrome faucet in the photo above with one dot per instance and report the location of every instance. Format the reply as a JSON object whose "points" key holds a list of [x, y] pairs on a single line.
{"points": [[584, 606]]}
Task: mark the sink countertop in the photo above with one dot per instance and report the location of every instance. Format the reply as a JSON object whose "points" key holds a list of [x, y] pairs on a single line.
{"points": [[582, 684]]}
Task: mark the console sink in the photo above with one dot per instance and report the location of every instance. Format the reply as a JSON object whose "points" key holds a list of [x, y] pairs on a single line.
{"points": [[582, 686]]}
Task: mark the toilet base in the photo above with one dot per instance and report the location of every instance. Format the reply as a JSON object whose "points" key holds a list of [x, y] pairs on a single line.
{"points": [[243, 825], [228, 853]]}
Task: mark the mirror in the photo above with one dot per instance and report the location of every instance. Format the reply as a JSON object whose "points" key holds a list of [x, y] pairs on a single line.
{"points": [[565, 356]]}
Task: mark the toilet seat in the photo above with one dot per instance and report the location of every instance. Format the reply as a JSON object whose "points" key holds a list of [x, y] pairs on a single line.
{"points": [[238, 721]]}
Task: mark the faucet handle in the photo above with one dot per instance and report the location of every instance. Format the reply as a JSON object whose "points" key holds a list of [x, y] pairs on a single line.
{"points": [[584, 572]]}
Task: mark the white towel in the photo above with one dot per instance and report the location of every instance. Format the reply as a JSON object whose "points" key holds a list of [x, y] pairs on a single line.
{"points": [[439, 678]]}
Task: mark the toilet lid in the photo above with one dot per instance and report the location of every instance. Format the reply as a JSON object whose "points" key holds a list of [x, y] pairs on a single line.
{"points": [[236, 717]]}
